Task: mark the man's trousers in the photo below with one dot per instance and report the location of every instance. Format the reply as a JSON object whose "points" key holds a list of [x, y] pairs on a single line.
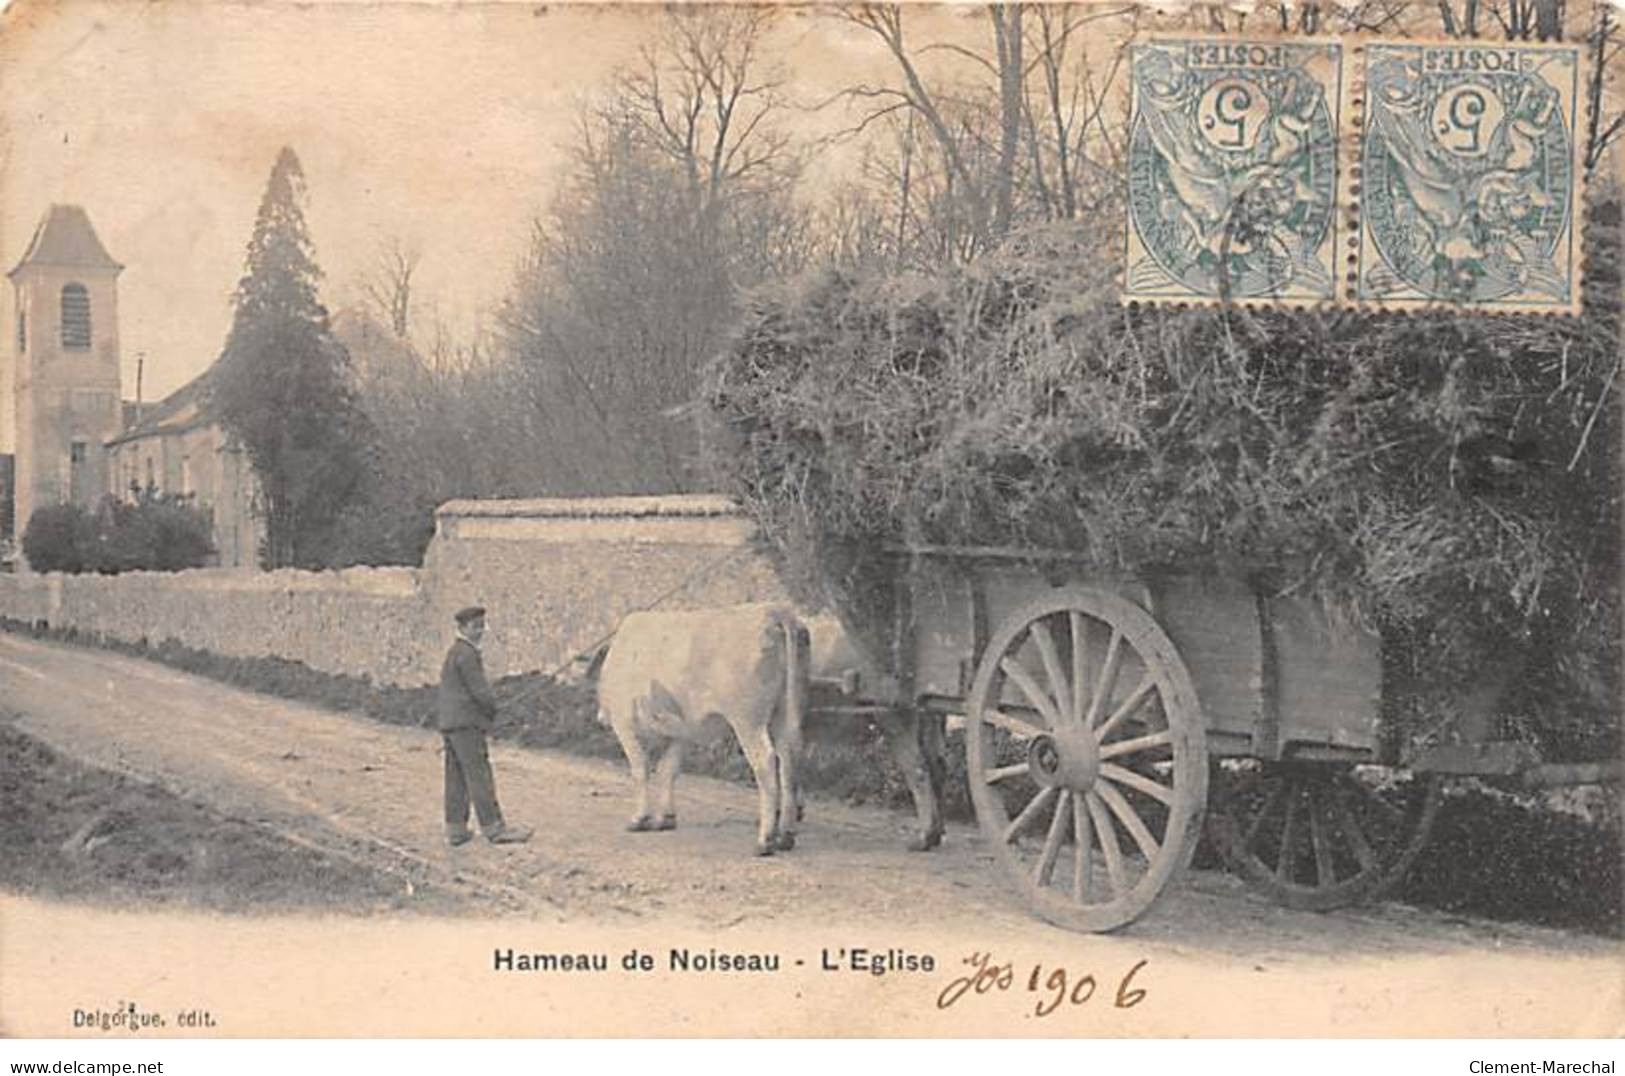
{"points": [[468, 776]]}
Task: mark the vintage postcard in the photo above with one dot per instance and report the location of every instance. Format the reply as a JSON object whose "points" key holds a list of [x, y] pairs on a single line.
{"points": [[528, 521]]}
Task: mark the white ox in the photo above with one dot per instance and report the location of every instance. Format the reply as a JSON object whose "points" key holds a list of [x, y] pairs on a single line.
{"points": [[675, 678]]}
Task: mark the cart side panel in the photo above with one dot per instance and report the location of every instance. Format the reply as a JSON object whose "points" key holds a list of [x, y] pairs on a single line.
{"points": [[1328, 678], [944, 630], [1213, 622], [959, 602]]}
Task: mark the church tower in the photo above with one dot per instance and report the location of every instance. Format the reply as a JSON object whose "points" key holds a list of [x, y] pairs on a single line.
{"points": [[66, 364]]}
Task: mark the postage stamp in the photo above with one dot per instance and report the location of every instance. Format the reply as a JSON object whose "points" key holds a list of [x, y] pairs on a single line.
{"points": [[1233, 170], [1469, 186]]}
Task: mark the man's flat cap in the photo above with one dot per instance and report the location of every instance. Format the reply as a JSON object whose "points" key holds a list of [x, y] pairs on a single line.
{"points": [[469, 613]]}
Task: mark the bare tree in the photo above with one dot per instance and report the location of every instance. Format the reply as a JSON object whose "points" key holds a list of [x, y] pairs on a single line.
{"points": [[978, 192], [1073, 142], [679, 194], [387, 284], [1605, 45], [1027, 134], [702, 96]]}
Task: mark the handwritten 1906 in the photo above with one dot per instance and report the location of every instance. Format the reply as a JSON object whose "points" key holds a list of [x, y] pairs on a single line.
{"points": [[1055, 985]]}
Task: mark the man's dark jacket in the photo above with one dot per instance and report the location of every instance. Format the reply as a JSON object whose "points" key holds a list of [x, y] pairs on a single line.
{"points": [[465, 700]]}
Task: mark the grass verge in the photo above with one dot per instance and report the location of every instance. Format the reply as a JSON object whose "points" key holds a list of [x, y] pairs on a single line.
{"points": [[80, 833]]}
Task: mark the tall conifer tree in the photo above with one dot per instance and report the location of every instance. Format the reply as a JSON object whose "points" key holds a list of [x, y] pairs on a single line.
{"points": [[282, 389]]}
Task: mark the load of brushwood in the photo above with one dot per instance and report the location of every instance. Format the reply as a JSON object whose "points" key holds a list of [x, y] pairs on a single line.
{"points": [[1449, 481]]}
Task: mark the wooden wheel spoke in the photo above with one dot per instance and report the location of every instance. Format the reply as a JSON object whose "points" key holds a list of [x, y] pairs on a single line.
{"points": [[1003, 772], [1108, 844], [1052, 839], [1394, 816], [1084, 838], [1139, 743], [1131, 820], [1289, 837], [1363, 851], [1258, 819], [1320, 841], [1080, 668], [1010, 723], [1029, 812], [1155, 789], [1326, 818], [1032, 689], [1108, 679], [1060, 688], [1087, 674], [1130, 704]]}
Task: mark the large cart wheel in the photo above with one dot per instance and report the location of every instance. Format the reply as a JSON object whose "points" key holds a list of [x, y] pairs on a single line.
{"points": [[1085, 756], [1320, 835]]}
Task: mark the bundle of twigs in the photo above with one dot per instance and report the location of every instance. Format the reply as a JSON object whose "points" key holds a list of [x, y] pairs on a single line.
{"points": [[1450, 480]]}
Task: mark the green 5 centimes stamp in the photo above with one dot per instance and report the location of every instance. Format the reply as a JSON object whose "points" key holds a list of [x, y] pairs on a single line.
{"points": [[1469, 185], [1233, 170]]}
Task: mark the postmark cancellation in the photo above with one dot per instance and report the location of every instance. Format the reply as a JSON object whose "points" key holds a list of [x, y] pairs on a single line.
{"points": [[1468, 182], [1233, 170]]}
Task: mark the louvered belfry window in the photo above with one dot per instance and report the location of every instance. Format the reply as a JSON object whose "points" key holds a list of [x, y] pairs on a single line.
{"points": [[75, 317]]}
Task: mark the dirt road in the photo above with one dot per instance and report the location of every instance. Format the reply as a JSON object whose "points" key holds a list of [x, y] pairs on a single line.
{"points": [[370, 792]]}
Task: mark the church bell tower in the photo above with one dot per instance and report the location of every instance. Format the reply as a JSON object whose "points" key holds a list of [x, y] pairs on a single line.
{"points": [[65, 364]]}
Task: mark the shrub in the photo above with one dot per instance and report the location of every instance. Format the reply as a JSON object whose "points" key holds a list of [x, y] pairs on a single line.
{"points": [[60, 538], [156, 532]]}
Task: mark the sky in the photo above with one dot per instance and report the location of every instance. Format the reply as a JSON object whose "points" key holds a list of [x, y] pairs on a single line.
{"points": [[445, 126]]}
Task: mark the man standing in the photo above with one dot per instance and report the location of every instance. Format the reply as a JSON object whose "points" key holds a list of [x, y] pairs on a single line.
{"points": [[467, 710]]}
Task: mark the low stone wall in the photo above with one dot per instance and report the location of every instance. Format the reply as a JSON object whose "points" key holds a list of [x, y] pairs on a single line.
{"points": [[556, 575], [360, 621]]}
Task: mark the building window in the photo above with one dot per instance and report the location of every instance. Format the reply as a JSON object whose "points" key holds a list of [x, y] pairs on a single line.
{"points": [[75, 317], [76, 452], [22, 332]]}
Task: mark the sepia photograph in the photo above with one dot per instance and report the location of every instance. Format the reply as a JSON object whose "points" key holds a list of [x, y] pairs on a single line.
{"points": [[818, 521]]}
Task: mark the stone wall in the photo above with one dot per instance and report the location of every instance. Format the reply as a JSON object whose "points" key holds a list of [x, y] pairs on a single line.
{"points": [[363, 620], [556, 575]]}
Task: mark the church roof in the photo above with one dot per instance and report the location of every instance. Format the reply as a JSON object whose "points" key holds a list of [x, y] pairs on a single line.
{"points": [[182, 410], [65, 237], [375, 352]]}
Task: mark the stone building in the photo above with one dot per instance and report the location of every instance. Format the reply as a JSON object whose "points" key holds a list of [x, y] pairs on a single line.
{"points": [[77, 440], [175, 446], [65, 367]]}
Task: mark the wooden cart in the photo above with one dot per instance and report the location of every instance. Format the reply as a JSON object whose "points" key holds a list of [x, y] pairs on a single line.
{"points": [[1101, 714]]}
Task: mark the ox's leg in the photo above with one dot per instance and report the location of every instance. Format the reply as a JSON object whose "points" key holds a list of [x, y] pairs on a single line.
{"points": [[637, 760], [666, 771], [933, 740], [764, 764], [916, 741], [787, 743]]}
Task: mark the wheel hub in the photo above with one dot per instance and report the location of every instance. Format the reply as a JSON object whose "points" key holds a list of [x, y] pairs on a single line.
{"points": [[1065, 758]]}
